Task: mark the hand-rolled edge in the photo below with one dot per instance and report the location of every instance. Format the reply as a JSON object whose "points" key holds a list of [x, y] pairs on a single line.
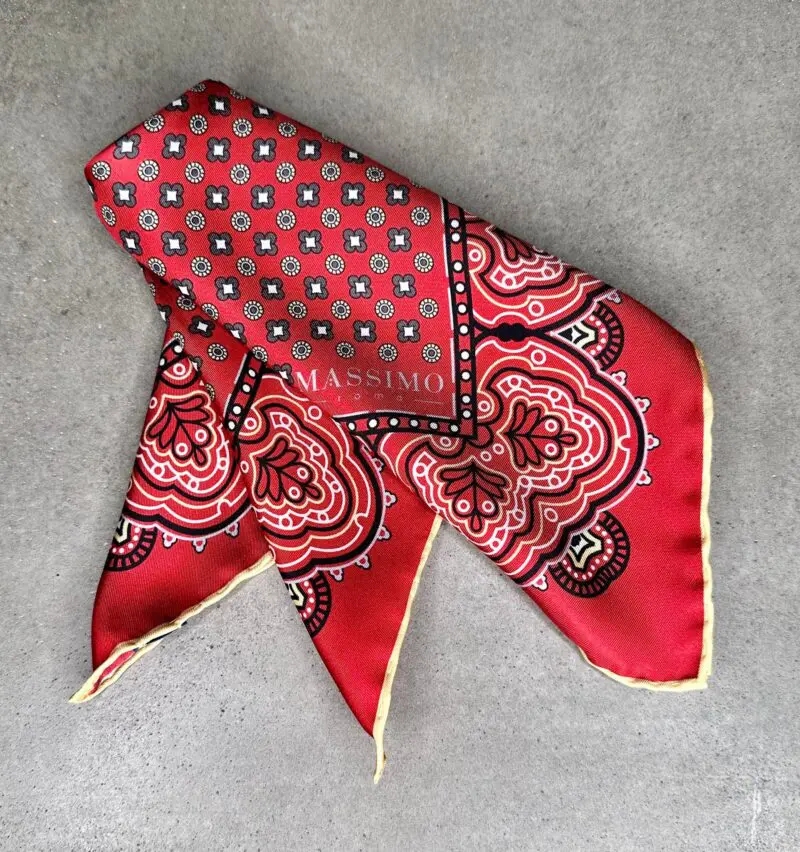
{"points": [[704, 667], [385, 699], [126, 653]]}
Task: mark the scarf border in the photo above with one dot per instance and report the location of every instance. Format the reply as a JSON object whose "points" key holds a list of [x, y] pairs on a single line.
{"points": [[111, 669], [385, 699], [700, 681]]}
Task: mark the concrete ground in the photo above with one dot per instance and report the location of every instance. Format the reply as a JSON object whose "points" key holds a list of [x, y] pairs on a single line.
{"points": [[655, 144]]}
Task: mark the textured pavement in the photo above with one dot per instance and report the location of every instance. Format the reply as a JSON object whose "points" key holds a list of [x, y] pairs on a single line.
{"points": [[655, 145]]}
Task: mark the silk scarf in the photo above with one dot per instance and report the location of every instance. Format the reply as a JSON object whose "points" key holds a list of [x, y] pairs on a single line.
{"points": [[350, 359]]}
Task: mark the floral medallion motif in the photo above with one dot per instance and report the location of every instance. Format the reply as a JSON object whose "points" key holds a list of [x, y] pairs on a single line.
{"points": [[185, 480], [315, 491]]}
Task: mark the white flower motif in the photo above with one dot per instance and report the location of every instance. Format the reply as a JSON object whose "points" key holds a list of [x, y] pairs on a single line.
{"points": [[148, 170], [423, 262], [384, 309], [240, 173], [420, 216], [431, 353], [286, 220], [375, 216], [285, 172], [154, 123], [240, 221], [246, 266], [201, 266], [198, 124], [330, 171], [194, 172], [148, 220], [101, 170], [195, 220], [242, 127], [290, 265], [330, 217]]}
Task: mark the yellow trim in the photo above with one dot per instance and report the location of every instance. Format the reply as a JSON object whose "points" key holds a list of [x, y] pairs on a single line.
{"points": [[704, 669], [386, 691], [96, 683]]}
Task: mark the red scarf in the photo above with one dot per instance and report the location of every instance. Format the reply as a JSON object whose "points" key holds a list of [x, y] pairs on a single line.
{"points": [[349, 359]]}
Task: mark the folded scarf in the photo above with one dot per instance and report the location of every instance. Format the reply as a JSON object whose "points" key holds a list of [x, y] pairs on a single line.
{"points": [[348, 360]]}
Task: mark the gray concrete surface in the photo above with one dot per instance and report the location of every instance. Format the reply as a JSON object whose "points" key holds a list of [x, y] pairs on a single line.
{"points": [[655, 144]]}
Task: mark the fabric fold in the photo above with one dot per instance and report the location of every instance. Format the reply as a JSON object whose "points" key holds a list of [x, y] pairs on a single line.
{"points": [[349, 360], [220, 493]]}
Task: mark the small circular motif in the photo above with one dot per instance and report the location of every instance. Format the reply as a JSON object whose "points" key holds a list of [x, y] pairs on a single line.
{"points": [[201, 266], [287, 129], [301, 349], [423, 262], [110, 217], [334, 263], [217, 352], [101, 170], [290, 265], [330, 217], [420, 216], [286, 220], [340, 309], [384, 309], [330, 171], [210, 310], [242, 127], [375, 217], [431, 353], [148, 220], [375, 174], [240, 173], [428, 308], [297, 309], [157, 266], [154, 123], [388, 352], [379, 263], [285, 172], [195, 220], [247, 266], [194, 172], [253, 310], [345, 349], [198, 124], [240, 221], [148, 170], [260, 353]]}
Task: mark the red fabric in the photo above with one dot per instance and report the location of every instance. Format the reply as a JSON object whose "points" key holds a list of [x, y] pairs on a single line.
{"points": [[348, 355]]}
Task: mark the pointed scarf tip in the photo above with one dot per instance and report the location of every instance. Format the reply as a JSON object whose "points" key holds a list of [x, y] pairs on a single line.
{"points": [[113, 668], [125, 654], [380, 763], [385, 698]]}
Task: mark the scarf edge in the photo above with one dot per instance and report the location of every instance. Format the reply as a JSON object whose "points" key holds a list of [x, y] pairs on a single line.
{"points": [[700, 681], [101, 679], [385, 699]]}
